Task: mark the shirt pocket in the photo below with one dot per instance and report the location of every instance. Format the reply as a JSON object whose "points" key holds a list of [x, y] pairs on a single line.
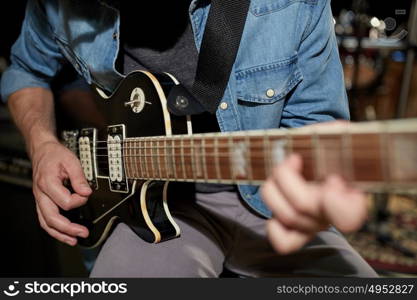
{"points": [[264, 7], [268, 83]]}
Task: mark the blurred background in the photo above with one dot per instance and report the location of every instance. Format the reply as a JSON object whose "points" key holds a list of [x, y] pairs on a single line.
{"points": [[377, 44]]}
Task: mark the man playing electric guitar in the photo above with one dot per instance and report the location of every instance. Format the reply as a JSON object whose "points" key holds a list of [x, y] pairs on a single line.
{"points": [[286, 74]]}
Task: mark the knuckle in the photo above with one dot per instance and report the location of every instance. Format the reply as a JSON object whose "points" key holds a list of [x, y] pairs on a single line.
{"points": [[82, 201], [278, 171], [66, 205], [72, 203], [42, 223], [49, 220], [302, 207], [41, 182], [288, 219]]}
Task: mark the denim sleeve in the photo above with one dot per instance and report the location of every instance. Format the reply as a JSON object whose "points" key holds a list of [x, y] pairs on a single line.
{"points": [[35, 57], [321, 95]]}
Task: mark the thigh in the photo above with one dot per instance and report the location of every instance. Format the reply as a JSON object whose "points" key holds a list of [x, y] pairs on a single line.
{"points": [[328, 254], [194, 254]]}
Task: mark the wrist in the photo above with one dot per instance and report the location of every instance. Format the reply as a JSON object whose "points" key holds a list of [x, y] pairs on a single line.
{"points": [[37, 141]]}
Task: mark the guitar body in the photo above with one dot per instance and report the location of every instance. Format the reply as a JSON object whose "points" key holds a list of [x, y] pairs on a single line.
{"points": [[144, 205]]}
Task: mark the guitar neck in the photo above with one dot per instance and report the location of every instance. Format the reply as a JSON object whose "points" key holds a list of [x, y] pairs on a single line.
{"points": [[374, 154]]}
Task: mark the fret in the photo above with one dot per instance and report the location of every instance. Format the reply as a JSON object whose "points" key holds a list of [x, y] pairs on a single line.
{"points": [[289, 144], [248, 163], [182, 158], [188, 158], [193, 160], [143, 159], [167, 166], [225, 165], [155, 150], [403, 157], [146, 157], [178, 158], [347, 156], [162, 155], [256, 152], [203, 153], [216, 158], [278, 151], [267, 154], [383, 148], [138, 153], [153, 158], [318, 171], [155, 165], [366, 157], [135, 151], [210, 158], [230, 146], [303, 146], [198, 158], [158, 159], [126, 158], [330, 155], [131, 169], [174, 161], [130, 162]]}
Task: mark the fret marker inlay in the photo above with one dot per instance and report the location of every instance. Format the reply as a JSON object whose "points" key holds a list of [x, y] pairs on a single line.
{"points": [[239, 159], [278, 151]]}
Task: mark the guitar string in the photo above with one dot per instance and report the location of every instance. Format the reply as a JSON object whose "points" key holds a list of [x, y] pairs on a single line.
{"points": [[357, 152], [295, 144], [270, 136], [253, 141], [249, 147], [253, 148], [212, 163], [307, 139]]}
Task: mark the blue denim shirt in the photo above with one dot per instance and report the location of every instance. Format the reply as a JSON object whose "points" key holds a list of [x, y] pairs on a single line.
{"points": [[288, 48]]}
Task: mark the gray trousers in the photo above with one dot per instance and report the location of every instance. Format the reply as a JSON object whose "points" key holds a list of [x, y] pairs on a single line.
{"points": [[219, 231]]}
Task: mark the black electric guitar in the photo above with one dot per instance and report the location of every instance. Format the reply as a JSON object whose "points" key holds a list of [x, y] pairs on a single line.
{"points": [[131, 163]]}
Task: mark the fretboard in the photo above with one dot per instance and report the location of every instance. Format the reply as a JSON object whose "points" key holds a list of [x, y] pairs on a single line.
{"points": [[379, 154]]}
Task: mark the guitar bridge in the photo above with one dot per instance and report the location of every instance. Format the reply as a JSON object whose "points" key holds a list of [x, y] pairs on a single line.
{"points": [[117, 177], [87, 155]]}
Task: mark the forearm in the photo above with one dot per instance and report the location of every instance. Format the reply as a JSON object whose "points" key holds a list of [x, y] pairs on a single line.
{"points": [[33, 112]]}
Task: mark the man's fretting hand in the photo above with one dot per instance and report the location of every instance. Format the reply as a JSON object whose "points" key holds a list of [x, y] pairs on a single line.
{"points": [[301, 209]]}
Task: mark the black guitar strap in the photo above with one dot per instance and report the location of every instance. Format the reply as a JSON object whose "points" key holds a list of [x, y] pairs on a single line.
{"points": [[218, 51]]}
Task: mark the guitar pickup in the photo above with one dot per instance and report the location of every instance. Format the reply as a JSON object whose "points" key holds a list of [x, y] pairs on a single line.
{"points": [[70, 139], [117, 177], [87, 154]]}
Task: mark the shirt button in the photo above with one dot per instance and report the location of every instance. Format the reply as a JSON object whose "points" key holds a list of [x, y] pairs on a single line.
{"points": [[223, 105], [115, 35], [270, 93]]}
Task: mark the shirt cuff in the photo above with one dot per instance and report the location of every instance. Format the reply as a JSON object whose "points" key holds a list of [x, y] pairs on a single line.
{"points": [[14, 79]]}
